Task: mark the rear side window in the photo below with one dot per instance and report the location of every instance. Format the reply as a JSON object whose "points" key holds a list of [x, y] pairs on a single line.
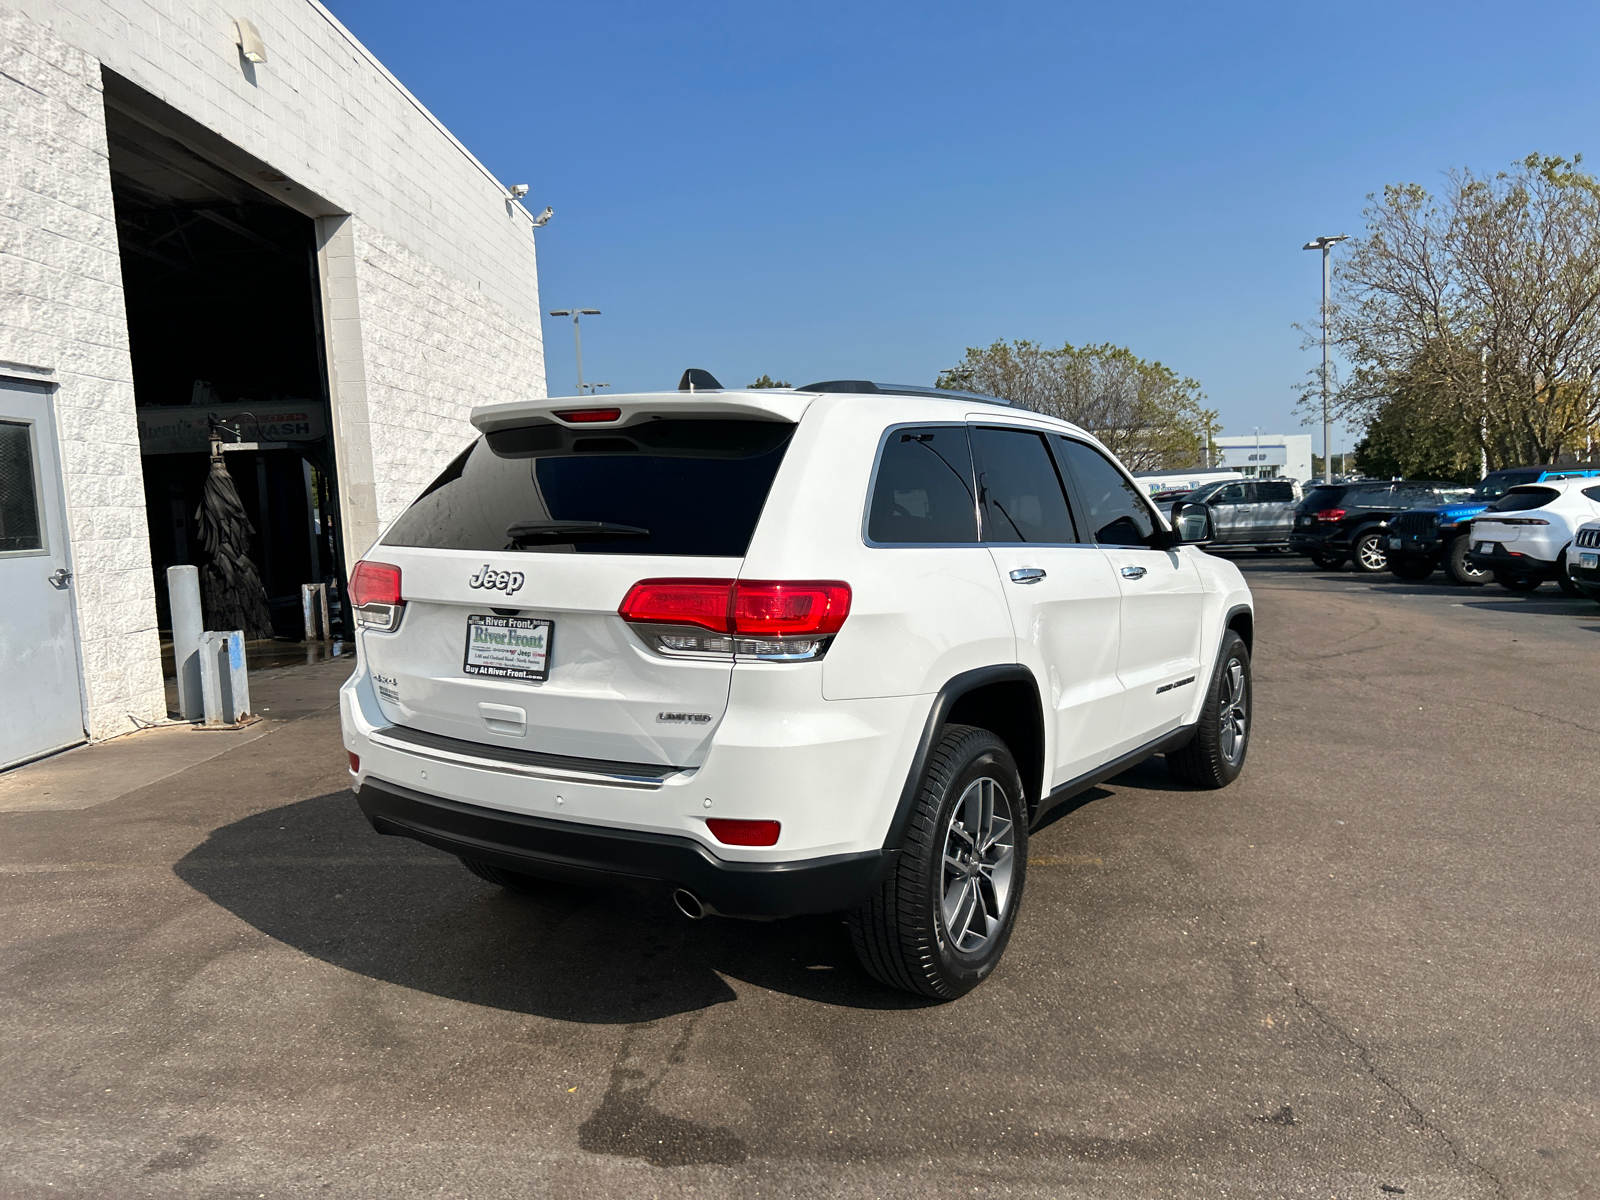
{"points": [[1276, 492], [1019, 491], [1319, 498], [1370, 497], [923, 492], [1593, 493], [658, 487], [1115, 512], [1523, 498]]}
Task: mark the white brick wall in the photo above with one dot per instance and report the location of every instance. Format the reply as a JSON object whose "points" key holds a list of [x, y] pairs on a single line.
{"points": [[61, 307], [434, 307], [435, 347]]}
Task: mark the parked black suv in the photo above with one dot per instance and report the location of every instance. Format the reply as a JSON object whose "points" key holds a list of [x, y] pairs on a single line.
{"points": [[1350, 521]]}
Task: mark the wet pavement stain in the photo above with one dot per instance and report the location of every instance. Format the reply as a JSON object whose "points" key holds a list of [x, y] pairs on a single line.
{"points": [[626, 1125], [187, 1153]]}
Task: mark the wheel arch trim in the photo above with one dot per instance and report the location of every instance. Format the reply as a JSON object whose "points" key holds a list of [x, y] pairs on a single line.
{"points": [[944, 702]]}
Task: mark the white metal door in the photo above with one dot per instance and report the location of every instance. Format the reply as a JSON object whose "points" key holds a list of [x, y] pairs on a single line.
{"points": [[41, 705]]}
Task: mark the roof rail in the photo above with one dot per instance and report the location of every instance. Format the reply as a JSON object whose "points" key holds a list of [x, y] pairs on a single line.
{"points": [[867, 387]]}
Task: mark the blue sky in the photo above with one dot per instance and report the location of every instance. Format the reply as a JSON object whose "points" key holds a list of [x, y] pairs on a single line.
{"points": [[827, 190]]}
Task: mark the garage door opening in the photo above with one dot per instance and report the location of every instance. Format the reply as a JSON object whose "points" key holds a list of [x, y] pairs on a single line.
{"points": [[225, 332]]}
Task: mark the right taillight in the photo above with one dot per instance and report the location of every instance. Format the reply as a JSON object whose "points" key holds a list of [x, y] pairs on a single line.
{"points": [[1331, 514], [375, 595], [776, 620]]}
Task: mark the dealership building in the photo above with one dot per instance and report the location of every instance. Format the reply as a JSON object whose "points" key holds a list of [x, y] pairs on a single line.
{"points": [[1267, 455], [233, 219]]}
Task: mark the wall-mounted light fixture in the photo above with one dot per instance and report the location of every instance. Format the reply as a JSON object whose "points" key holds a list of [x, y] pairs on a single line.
{"points": [[248, 38]]}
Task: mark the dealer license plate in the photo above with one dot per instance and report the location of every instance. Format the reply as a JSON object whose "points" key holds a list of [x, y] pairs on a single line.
{"points": [[1483, 548], [1589, 562], [508, 647]]}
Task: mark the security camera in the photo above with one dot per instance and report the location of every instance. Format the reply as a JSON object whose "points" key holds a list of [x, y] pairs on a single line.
{"points": [[544, 217], [518, 190]]}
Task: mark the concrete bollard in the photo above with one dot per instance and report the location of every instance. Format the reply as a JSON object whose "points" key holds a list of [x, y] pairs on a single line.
{"points": [[223, 677], [314, 605], [183, 594]]}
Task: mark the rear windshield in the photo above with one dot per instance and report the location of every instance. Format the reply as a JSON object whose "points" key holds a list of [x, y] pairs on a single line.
{"points": [[1522, 498], [660, 487], [1498, 483], [1319, 498]]}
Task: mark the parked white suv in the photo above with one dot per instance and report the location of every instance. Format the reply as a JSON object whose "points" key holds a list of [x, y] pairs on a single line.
{"points": [[807, 650], [1525, 536]]}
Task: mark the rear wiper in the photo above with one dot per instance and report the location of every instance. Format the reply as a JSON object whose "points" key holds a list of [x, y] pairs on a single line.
{"points": [[573, 531]]}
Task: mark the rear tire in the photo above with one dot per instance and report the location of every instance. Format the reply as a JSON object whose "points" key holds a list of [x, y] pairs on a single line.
{"points": [[512, 881], [1459, 570], [940, 920], [1367, 553], [1214, 757], [1409, 567], [1515, 583]]}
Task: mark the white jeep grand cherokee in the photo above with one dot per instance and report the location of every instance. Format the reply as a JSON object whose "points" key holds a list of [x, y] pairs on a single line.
{"points": [[833, 648]]}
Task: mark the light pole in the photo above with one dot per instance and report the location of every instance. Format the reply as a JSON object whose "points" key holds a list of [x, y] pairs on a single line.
{"points": [[1325, 244], [577, 337]]}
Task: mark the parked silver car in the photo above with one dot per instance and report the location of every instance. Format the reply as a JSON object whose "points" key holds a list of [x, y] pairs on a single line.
{"points": [[1250, 512]]}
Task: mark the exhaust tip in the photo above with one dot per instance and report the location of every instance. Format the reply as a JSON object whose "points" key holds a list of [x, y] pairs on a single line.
{"points": [[689, 904]]}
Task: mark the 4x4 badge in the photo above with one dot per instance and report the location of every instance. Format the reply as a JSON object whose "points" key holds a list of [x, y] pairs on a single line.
{"points": [[491, 580]]}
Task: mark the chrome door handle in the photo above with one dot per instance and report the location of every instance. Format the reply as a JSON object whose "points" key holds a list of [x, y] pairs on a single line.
{"points": [[1134, 572], [60, 579], [1027, 575]]}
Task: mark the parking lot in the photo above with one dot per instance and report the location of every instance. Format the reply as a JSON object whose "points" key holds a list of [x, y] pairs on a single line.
{"points": [[1367, 966]]}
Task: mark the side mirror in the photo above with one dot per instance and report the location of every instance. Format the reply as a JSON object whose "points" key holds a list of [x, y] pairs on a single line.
{"points": [[1191, 524]]}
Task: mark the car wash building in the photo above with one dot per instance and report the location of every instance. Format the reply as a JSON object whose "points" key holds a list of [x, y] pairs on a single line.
{"points": [[230, 220]]}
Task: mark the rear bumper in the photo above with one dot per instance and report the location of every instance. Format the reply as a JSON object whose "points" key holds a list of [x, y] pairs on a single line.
{"points": [[1516, 564], [651, 862]]}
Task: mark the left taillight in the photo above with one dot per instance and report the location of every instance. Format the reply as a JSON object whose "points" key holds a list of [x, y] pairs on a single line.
{"points": [[375, 595]]}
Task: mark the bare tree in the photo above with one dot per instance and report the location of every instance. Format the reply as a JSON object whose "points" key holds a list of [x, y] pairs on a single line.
{"points": [[1144, 412], [1482, 306]]}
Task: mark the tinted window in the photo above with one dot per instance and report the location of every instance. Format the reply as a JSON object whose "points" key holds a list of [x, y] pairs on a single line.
{"points": [[1278, 492], [1319, 498], [19, 499], [924, 488], [1020, 492], [1370, 497], [1116, 513], [1233, 493], [1498, 483], [1522, 498], [694, 487]]}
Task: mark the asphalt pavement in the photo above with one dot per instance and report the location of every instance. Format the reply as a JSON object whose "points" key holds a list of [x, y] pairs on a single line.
{"points": [[1367, 968]]}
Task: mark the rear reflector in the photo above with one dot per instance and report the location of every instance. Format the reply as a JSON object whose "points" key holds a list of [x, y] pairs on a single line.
{"points": [[374, 583], [743, 833], [763, 608], [355, 762], [588, 416]]}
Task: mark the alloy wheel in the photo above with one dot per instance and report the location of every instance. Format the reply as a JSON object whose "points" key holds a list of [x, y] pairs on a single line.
{"points": [[979, 856], [1234, 718], [1373, 557]]}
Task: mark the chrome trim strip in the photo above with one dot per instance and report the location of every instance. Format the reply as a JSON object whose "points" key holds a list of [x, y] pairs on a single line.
{"points": [[529, 770]]}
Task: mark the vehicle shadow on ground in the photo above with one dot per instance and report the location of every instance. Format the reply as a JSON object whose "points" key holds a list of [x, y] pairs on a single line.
{"points": [[315, 876]]}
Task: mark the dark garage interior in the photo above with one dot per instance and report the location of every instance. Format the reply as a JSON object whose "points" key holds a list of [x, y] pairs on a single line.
{"points": [[225, 328]]}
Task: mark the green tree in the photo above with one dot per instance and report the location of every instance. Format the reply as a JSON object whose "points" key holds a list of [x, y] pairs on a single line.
{"points": [[1144, 412], [766, 381], [1477, 311]]}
